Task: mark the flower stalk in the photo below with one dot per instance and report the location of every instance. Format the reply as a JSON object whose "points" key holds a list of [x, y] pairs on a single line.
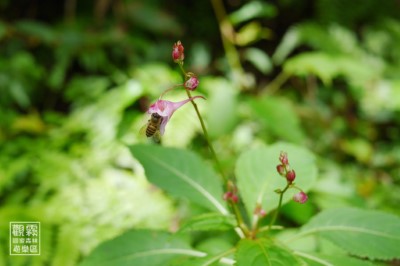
{"points": [[204, 129], [276, 213]]}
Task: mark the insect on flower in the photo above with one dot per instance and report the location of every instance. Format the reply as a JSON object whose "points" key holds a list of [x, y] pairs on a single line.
{"points": [[161, 112], [152, 128]]}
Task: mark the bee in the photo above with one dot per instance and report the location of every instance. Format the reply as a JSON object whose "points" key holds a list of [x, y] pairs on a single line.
{"points": [[152, 128]]}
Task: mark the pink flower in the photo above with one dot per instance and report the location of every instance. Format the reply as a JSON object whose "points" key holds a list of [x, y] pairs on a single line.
{"points": [[192, 83], [166, 109], [177, 52], [300, 197]]}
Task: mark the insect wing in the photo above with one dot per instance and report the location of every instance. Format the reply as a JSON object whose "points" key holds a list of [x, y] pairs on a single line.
{"points": [[142, 130], [157, 136]]}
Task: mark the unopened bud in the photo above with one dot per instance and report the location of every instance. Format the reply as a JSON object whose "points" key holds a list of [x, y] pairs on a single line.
{"points": [[192, 83], [227, 195], [283, 158], [235, 198], [300, 197], [290, 176], [281, 169], [177, 52]]}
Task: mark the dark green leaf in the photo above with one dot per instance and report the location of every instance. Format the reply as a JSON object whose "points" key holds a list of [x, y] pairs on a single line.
{"points": [[182, 174]]}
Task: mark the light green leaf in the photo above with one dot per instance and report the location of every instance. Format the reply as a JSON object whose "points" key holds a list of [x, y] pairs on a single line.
{"points": [[326, 260], [258, 179], [221, 105], [182, 174], [142, 247], [279, 117], [220, 259], [364, 233], [252, 10], [327, 67], [261, 252], [209, 221], [259, 59]]}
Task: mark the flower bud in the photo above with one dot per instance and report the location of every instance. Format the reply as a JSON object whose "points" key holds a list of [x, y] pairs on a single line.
{"points": [[235, 198], [300, 197], [227, 195], [259, 211], [192, 83], [290, 176], [281, 169], [283, 158], [177, 52]]}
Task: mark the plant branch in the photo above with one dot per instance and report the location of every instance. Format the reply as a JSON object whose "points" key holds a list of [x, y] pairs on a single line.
{"points": [[279, 205]]}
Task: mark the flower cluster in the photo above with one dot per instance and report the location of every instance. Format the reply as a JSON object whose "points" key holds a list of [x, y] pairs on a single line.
{"points": [[285, 171], [284, 168], [166, 109]]}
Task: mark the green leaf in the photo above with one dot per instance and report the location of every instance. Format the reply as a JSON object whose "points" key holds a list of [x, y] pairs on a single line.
{"points": [[140, 247], [261, 252], [364, 233], [259, 59], [182, 174], [279, 117], [252, 10], [326, 260], [258, 179], [209, 221], [221, 105]]}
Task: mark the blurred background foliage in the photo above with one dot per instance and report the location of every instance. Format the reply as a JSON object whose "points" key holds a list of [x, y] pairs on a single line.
{"points": [[77, 76]]}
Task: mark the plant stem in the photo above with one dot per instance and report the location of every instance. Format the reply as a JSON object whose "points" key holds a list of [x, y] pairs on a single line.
{"points": [[205, 132], [279, 206], [228, 38], [239, 219]]}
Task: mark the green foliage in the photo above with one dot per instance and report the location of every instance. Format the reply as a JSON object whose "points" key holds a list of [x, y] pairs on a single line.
{"points": [[209, 221], [140, 247], [317, 260], [278, 116], [367, 234], [262, 252], [258, 178], [182, 174], [77, 78]]}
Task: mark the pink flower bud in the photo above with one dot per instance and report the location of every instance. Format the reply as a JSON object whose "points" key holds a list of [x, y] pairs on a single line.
{"points": [[300, 197], [192, 83], [290, 176], [177, 52], [227, 195], [235, 198], [281, 169], [259, 211], [283, 158]]}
